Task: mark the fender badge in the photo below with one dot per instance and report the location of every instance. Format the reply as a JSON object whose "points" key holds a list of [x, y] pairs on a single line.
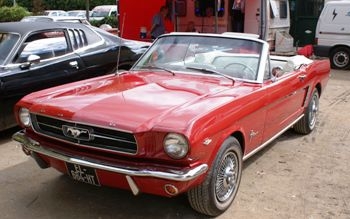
{"points": [[207, 141]]}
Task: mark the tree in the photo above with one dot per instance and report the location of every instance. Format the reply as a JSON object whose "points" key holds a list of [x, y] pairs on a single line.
{"points": [[38, 6]]}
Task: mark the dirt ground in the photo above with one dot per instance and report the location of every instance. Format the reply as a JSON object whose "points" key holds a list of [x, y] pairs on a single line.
{"points": [[294, 177]]}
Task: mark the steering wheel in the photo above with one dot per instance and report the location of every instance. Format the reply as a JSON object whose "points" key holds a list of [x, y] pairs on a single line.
{"points": [[249, 73]]}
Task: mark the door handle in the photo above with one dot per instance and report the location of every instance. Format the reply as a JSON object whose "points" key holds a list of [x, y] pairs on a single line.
{"points": [[74, 64]]}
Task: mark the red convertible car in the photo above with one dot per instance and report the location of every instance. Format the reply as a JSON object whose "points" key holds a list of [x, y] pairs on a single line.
{"points": [[182, 120]]}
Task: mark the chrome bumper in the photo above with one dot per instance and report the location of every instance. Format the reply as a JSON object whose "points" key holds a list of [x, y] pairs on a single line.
{"points": [[174, 175]]}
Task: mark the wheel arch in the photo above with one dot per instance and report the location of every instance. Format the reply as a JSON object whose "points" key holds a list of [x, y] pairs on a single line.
{"points": [[319, 88], [240, 138], [337, 46]]}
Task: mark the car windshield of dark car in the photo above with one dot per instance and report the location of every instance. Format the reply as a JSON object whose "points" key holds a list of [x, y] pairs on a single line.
{"points": [[233, 57], [7, 42]]}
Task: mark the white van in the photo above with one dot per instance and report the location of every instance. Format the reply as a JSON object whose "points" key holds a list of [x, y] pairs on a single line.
{"points": [[102, 11], [333, 34]]}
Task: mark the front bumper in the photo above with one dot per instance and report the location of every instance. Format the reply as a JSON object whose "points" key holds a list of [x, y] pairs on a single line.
{"points": [[30, 146]]}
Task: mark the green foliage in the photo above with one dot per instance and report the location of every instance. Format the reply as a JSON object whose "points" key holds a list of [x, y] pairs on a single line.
{"points": [[38, 7], [15, 13], [111, 20]]}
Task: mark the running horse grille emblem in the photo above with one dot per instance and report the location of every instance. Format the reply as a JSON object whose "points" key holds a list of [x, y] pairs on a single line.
{"points": [[76, 133]]}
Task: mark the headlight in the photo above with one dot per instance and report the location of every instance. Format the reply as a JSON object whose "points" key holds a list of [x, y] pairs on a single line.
{"points": [[175, 145], [24, 116]]}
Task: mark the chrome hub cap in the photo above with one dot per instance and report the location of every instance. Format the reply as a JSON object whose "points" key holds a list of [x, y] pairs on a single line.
{"points": [[226, 180], [313, 111]]}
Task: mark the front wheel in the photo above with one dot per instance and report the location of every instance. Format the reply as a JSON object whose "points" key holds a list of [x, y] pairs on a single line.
{"points": [[306, 124], [340, 58], [220, 187]]}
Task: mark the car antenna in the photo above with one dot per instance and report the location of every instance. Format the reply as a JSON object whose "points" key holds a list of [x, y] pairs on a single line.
{"points": [[120, 45]]}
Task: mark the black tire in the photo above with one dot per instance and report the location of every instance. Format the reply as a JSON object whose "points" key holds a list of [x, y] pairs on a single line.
{"points": [[306, 124], [220, 187], [340, 58]]}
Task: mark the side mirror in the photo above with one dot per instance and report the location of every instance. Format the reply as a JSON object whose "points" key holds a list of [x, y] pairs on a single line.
{"points": [[32, 59]]}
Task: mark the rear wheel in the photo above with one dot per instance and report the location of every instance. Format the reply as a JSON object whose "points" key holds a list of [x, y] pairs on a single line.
{"points": [[340, 58], [220, 187], [306, 124]]}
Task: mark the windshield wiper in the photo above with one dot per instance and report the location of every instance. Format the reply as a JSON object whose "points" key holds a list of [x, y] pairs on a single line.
{"points": [[211, 71], [158, 67]]}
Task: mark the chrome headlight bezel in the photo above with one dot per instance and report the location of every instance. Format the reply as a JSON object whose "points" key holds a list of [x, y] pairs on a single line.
{"points": [[24, 116], [176, 145]]}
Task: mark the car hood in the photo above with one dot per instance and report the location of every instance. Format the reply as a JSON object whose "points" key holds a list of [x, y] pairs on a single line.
{"points": [[136, 102]]}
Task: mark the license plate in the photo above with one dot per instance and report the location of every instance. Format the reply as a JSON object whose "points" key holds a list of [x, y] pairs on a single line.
{"points": [[83, 174]]}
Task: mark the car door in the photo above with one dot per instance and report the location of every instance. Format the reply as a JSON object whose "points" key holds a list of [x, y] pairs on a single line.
{"points": [[56, 64], [286, 97]]}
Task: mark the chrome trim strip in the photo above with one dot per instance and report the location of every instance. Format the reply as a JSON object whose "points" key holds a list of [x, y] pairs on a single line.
{"points": [[113, 139], [271, 139], [48, 125], [175, 175]]}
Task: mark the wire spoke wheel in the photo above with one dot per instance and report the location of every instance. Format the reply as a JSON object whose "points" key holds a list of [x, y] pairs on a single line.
{"points": [[226, 180], [213, 196], [313, 111]]}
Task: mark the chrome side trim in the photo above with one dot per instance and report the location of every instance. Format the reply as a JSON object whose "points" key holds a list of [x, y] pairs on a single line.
{"points": [[175, 175], [271, 139]]}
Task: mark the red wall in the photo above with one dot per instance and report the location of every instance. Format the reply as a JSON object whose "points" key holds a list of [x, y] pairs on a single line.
{"points": [[137, 14]]}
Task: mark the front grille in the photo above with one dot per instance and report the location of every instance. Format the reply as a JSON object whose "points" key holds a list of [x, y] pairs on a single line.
{"points": [[85, 135]]}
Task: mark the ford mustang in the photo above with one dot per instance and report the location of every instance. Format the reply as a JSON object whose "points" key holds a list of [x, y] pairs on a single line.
{"points": [[182, 120], [38, 55]]}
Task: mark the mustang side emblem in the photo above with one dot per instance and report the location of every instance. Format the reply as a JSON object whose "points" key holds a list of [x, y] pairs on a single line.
{"points": [[76, 133]]}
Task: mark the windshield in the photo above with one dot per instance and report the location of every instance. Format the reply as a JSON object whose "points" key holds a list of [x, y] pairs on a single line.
{"points": [[100, 12], [7, 42], [231, 57]]}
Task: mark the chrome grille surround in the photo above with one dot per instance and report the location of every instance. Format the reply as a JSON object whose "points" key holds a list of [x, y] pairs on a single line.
{"points": [[85, 135]]}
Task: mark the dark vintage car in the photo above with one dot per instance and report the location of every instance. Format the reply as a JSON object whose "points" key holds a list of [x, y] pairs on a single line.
{"points": [[182, 120], [38, 55]]}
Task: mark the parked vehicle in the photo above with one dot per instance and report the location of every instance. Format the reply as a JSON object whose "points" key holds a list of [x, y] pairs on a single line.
{"points": [[38, 55], [77, 13], [332, 34], [182, 120], [102, 11], [268, 18], [44, 18], [55, 13]]}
